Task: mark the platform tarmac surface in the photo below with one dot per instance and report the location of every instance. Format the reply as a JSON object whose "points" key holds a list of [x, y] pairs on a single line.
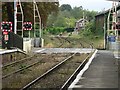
{"points": [[102, 73]]}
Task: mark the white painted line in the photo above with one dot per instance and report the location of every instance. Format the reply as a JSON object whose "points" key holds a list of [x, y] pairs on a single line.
{"points": [[7, 51], [78, 86], [117, 57], [39, 50], [82, 71]]}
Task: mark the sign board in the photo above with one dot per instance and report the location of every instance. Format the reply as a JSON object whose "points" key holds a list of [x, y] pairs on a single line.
{"points": [[111, 38], [6, 38], [27, 26], [5, 33], [6, 26]]}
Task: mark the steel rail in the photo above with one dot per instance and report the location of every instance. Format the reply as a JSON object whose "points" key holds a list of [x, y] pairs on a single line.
{"points": [[50, 70], [73, 76], [16, 62], [5, 76]]}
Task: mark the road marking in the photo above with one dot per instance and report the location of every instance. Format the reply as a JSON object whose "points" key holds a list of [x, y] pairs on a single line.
{"points": [[39, 50], [7, 51], [64, 50]]}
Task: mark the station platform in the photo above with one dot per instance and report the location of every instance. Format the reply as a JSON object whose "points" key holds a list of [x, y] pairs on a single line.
{"points": [[101, 73]]}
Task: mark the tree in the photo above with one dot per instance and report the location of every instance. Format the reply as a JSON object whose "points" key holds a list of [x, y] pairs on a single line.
{"points": [[60, 22], [65, 7], [91, 27], [7, 12], [51, 20], [46, 8], [77, 12], [90, 14]]}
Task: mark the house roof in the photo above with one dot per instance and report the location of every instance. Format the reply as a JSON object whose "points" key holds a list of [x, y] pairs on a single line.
{"points": [[114, 0], [81, 20], [105, 12]]}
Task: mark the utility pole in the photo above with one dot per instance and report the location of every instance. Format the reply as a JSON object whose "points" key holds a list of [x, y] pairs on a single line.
{"points": [[37, 19], [104, 28], [37, 22], [17, 6], [15, 16]]}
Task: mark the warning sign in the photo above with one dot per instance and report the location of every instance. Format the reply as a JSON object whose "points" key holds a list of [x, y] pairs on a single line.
{"points": [[6, 37]]}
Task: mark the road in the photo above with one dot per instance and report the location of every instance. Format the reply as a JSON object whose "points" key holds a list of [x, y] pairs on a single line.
{"points": [[63, 50]]}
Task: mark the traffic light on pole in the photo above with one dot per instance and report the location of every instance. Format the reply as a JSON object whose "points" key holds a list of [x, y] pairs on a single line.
{"points": [[6, 26], [27, 26]]}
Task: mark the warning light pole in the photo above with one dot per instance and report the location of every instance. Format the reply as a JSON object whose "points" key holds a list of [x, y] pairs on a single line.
{"points": [[15, 16]]}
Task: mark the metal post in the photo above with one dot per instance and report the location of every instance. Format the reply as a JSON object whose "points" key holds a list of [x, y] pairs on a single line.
{"points": [[15, 16], [29, 34], [37, 17], [104, 32], [34, 19]]}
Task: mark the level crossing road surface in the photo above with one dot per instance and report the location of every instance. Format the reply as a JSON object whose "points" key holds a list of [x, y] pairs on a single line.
{"points": [[5, 51], [100, 74], [63, 50]]}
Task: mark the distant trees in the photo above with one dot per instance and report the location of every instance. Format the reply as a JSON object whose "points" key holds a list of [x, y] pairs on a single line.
{"points": [[45, 9], [65, 7], [7, 11], [77, 12], [67, 16], [51, 14]]}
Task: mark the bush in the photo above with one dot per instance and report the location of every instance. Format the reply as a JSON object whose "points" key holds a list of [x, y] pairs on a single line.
{"points": [[55, 30]]}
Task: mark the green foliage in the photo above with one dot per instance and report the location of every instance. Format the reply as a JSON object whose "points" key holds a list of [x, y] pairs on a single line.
{"points": [[45, 9], [90, 31], [60, 22], [56, 30], [77, 12], [90, 27], [64, 19], [65, 7], [67, 18]]}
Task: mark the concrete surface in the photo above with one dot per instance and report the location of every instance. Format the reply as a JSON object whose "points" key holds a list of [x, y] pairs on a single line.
{"points": [[63, 50], [102, 73]]}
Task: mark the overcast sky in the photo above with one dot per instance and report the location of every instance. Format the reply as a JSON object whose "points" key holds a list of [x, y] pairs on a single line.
{"points": [[96, 5]]}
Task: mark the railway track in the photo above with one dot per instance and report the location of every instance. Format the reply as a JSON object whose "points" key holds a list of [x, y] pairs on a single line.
{"points": [[61, 41], [65, 43], [20, 65], [28, 73], [69, 42], [10, 57], [15, 62], [54, 67], [57, 76]]}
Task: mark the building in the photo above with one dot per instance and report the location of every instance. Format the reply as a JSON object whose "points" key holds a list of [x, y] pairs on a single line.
{"points": [[109, 22], [80, 24], [102, 21]]}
